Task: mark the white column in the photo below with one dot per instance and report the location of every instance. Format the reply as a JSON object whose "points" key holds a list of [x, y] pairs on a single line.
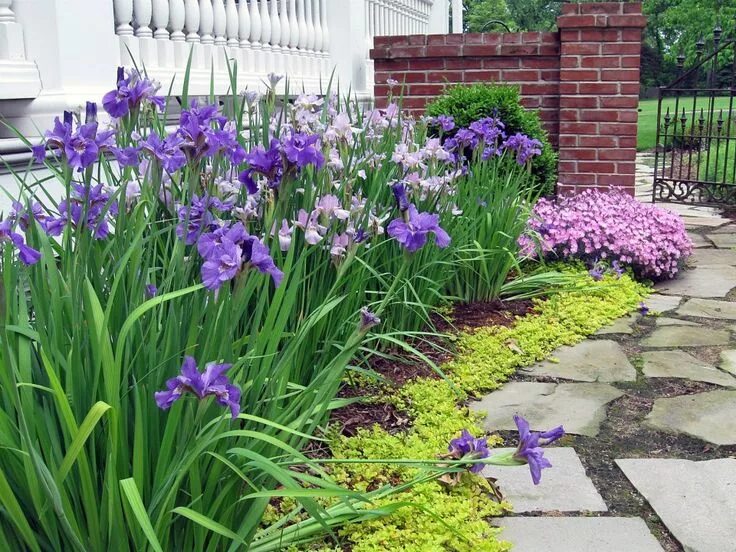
{"points": [[266, 37], [255, 37], [219, 22], [206, 22], [232, 23], [326, 62], [191, 20], [164, 46], [294, 66], [346, 22], [312, 65], [278, 52], [457, 16], [123, 10], [439, 17], [246, 51], [177, 17], [142, 13]]}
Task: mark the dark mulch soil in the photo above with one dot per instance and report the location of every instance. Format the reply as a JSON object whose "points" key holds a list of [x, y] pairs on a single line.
{"points": [[397, 366]]}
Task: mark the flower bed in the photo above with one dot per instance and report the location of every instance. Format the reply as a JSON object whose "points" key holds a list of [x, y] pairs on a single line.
{"points": [[177, 324]]}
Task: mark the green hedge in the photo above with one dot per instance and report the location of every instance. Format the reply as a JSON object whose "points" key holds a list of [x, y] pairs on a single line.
{"points": [[470, 103]]}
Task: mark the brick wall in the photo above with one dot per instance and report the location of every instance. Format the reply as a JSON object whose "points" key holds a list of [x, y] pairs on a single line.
{"points": [[583, 79]]}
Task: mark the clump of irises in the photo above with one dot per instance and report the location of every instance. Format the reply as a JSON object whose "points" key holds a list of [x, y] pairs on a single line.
{"points": [[530, 450]]}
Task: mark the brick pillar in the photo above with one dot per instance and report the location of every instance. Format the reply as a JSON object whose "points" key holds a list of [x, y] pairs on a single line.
{"points": [[599, 94]]}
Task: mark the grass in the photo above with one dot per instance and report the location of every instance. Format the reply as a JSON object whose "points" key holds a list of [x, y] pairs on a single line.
{"points": [[647, 131]]}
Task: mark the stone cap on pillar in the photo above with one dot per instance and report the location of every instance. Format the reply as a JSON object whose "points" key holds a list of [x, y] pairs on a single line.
{"points": [[602, 15]]}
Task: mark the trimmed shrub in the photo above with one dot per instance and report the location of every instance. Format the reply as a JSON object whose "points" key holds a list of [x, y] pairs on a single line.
{"points": [[612, 226], [471, 103]]}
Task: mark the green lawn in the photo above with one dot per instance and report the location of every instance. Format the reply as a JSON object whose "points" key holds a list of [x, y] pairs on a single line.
{"points": [[647, 132]]}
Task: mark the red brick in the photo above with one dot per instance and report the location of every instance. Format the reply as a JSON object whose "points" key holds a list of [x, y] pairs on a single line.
{"points": [[396, 65], [619, 102], [597, 88], [568, 115], [531, 102], [569, 35], [618, 129], [463, 63], [480, 49], [578, 154], [579, 101], [598, 141], [568, 141], [417, 40], [620, 75], [492, 38], [501, 63], [618, 154], [570, 9], [408, 51], [473, 38], [621, 48], [606, 8], [568, 88], [627, 141], [600, 35], [482, 76], [519, 49], [456, 39], [575, 178], [579, 75], [390, 41], [631, 35], [549, 50], [626, 88], [443, 51], [412, 102], [540, 63], [511, 38], [630, 61], [570, 62], [529, 89], [567, 21], [426, 64], [626, 168], [414, 77], [567, 166], [425, 89], [628, 116], [578, 128], [639, 21], [580, 48], [601, 115], [520, 75], [551, 75], [444, 76], [632, 7], [604, 61], [596, 167], [551, 102], [436, 40], [531, 37]]}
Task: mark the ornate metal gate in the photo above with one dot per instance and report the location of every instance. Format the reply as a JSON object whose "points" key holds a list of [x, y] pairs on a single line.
{"points": [[695, 158]]}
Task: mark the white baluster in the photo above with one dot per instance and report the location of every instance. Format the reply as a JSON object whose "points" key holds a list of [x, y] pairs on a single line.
{"points": [[266, 37], [326, 68], [220, 22], [232, 24], [312, 65], [284, 38], [177, 18], [142, 15], [246, 52], [123, 10], [206, 21], [303, 38], [160, 19], [296, 67], [317, 17], [278, 52], [191, 20], [255, 38]]}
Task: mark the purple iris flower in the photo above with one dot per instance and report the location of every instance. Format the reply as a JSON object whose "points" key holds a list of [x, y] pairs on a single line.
{"points": [[412, 231], [223, 265], [258, 255], [617, 268], [129, 93], [81, 149], [211, 382], [151, 291], [368, 320], [39, 153], [525, 147], [195, 218], [399, 191], [303, 150], [468, 447], [126, 157], [643, 309], [168, 151], [26, 254], [445, 122], [530, 446], [597, 272], [268, 164]]}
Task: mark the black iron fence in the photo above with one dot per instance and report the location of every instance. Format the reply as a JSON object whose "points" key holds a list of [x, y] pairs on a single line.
{"points": [[695, 159]]}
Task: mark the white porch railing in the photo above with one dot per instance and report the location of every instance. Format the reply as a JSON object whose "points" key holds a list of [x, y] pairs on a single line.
{"points": [[56, 54]]}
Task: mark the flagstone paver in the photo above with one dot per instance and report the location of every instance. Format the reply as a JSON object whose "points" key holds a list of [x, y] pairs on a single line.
{"points": [[701, 241], [600, 360], [702, 281], [695, 500], [664, 321], [724, 240], [620, 326], [727, 229], [662, 303], [686, 336], [679, 364], [728, 361], [578, 534], [710, 416], [579, 407], [708, 308], [717, 257], [564, 489]]}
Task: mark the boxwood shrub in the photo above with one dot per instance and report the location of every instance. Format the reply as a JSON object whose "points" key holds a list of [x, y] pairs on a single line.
{"points": [[468, 103]]}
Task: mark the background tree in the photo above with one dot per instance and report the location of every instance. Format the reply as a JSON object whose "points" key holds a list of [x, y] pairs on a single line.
{"points": [[479, 15], [534, 15]]}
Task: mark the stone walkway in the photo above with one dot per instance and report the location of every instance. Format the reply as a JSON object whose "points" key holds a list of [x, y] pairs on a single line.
{"points": [[650, 406]]}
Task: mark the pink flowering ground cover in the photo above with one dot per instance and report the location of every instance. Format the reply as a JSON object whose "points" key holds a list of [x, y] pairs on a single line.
{"points": [[608, 226]]}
